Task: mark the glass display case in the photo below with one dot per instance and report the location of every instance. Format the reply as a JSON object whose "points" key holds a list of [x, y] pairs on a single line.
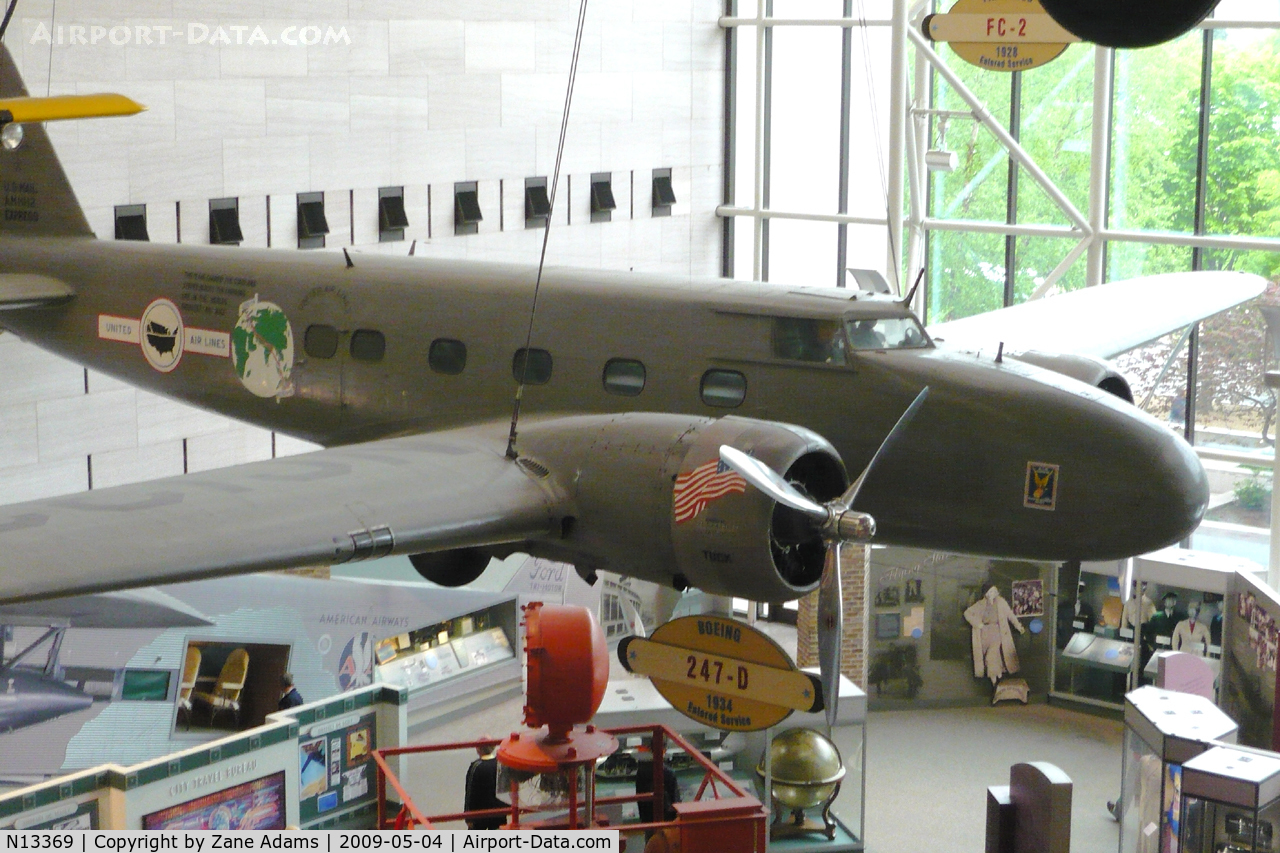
{"points": [[1106, 645], [1230, 802], [1162, 731], [441, 651]]}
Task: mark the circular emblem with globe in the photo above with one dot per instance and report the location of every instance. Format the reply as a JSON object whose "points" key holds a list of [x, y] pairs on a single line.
{"points": [[262, 349]]}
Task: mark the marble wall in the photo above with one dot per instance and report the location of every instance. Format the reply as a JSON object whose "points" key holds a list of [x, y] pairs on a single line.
{"points": [[261, 101]]}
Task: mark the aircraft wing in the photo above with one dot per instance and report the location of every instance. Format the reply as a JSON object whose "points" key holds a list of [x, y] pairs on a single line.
{"points": [[1104, 321], [417, 493], [132, 608]]}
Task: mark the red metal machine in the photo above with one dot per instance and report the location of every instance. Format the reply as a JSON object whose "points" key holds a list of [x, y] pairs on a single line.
{"points": [[721, 816], [568, 670]]}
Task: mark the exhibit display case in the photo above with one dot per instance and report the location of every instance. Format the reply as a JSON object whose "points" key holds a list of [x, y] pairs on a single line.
{"points": [[1230, 802], [450, 664], [926, 626], [440, 651], [1106, 645], [1163, 730]]}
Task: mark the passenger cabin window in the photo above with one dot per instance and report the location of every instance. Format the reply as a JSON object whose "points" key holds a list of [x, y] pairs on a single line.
{"points": [[885, 333], [321, 341], [447, 356], [724, 389], [368, 345], [539, 369], [624, 377], [145, 685], [799, 339]]}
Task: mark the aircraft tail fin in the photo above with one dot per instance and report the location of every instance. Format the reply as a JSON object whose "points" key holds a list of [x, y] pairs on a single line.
{"points": [[35, 197]]}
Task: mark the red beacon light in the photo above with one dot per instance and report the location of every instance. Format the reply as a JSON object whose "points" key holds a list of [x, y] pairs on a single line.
{"points": [[567, 673]]}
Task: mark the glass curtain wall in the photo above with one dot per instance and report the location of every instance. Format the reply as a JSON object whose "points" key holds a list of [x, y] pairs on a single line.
{"points": [[807, 91]]}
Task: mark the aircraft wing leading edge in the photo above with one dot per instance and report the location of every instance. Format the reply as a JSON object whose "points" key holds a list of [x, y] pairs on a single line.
{"points": [[131, 608], [1104, 321], [404, 495]]}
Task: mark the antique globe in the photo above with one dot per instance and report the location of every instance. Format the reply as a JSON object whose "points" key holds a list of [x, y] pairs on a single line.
{"points": [[806, 769]]}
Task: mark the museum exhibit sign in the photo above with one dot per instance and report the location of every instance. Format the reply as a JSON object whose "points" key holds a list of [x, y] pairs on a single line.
{"points": [[1000, 35], [722, 673]]}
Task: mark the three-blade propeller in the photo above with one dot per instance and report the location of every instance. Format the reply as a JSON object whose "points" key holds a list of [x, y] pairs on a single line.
{"points": [[837, 522]]}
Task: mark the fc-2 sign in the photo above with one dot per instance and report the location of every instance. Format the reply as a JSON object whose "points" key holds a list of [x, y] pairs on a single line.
{"points": [[722, 673], [1000, 35]]}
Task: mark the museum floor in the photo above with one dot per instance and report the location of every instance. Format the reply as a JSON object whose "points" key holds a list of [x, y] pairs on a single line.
{"points": [[927, 770]]}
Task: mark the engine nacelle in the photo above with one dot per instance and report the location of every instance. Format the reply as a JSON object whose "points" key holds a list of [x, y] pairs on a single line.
{"points": [[458, 567], [652, 501], [1091, 371]]}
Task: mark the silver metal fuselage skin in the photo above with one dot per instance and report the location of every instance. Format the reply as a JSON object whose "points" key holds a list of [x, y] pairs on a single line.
{"points": [[959, 481]]}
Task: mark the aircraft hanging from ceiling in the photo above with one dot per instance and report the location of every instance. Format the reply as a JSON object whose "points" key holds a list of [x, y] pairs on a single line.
{"points": [[405, 370]]}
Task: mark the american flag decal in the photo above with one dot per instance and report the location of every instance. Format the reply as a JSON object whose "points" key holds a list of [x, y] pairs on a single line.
{"points": [[699, 487]]}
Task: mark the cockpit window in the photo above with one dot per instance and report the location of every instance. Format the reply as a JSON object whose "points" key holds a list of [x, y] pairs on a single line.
{"points": [[801, 339], [885, 333]]}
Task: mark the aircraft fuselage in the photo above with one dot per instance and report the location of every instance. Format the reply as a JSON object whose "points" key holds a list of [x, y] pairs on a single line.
{"points": [[1004, 459], [28, 698]]}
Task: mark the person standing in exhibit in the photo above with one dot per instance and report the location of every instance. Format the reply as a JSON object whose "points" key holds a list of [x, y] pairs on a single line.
{"points": [[289, 695], [481, 789], [994, 654]]}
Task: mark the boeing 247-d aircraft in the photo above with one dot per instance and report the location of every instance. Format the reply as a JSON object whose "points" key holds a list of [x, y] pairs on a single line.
{"points": [[405, 370]]}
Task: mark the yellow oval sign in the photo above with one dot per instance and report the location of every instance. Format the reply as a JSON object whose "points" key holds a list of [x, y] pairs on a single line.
{"points": [[1000, 35], [722, 673]]}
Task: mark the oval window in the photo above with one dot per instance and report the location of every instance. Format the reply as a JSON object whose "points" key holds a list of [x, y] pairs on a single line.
{"points": [[321, 341], [368, 345], [539, 366], [624, 377], [447, 356], [724, 389]]}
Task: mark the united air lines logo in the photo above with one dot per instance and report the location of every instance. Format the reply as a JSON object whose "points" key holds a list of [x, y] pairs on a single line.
{"points": [[163, 337], [1042, 486]]}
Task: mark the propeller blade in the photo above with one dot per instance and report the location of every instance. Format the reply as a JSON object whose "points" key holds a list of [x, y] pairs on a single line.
{"points": [[767, 480], [830, 631], [846, 500]]}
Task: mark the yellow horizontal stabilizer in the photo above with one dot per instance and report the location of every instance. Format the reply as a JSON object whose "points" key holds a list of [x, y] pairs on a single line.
{"points": [[70, 106]]}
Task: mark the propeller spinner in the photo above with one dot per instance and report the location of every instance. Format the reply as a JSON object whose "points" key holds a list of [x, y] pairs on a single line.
{"points": [[837, 522]]}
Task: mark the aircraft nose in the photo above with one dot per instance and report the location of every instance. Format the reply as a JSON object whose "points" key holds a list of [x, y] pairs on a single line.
{"points": [[1170, 495], [1136, 486], [1018, 462], [27, 699]]}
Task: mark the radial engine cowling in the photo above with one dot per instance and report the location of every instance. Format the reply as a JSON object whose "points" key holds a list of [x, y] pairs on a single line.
{"points": [[1087, 369], [652, 501]]}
